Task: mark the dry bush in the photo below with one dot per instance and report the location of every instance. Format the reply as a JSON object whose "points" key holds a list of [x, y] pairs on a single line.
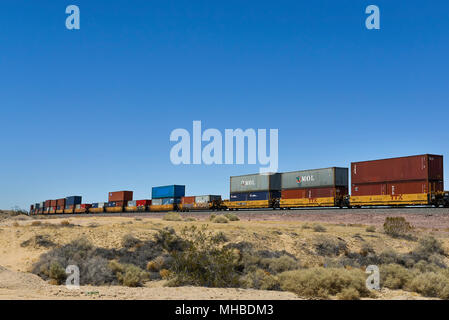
{"points": [[394, 276], [128, 275], [39, 241], [348, 294], [261, 280], [203, 262], [36, 223], [65, 223], [370, 229], [172, 216], [397, 227], [220, 219], [156, 265], [16, 224], [189, 219], [212, 217], [318, 228], [327, 246], [165, 274], [57, 273], [231, 217], [306, 226], [129, 241], [431, 284], [281, 264], [323, 282]]}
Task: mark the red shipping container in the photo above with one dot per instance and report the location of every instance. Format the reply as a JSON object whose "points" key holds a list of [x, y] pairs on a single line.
{"points": [[53, 203], [86, 205], [314, 193], [396, 188], [120, 196], [188, 200], [141, 203], [47, 203], [418, 168], [60, 202], [121, 203]]}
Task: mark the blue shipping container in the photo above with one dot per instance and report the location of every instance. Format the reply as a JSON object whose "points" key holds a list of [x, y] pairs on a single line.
{"points": [[172, 191], [259, 195], [171, 200], [95, 205], [239, 196], [72, 201]]}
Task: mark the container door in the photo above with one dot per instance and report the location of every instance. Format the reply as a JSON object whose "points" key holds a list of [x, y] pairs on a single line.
{"points": [[384, 189]]}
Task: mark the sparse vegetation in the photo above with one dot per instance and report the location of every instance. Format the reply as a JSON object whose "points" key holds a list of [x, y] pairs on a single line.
{"points": [[172, 216], [370, 229], [231, 217], [220, 219], [318, 228], [397, 227]]}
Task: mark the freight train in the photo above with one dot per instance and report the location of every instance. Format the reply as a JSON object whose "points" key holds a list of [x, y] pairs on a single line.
{"points": [[403, 181]]}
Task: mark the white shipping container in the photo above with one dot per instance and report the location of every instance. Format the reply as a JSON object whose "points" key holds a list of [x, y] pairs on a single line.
{"points": [[78, 206], [132, 203], [206, 199], [156, 202], [101, 204]]}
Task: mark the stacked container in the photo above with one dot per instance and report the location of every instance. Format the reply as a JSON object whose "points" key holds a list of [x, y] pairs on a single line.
{"points": [[53, 206], [166, 197], [118, 200], [97, 207], [254, 191], [200, 202], [71, 202], [82, 208], [143, 205], [326, 187], [413, 180]]}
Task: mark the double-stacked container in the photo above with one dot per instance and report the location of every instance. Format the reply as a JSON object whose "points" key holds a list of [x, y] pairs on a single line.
{"points": [[254, 191], [206, 202], [82, 208], [131, 206], [71, 203], [326, 187], [97, 207], [60, 205], [118, 200], [53, 206], [166, 198], [413, 180]]}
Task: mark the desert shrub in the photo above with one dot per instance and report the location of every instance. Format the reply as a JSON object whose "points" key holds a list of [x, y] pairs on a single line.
{"points": [[189, 219], [36, 223], [169, 240], [348, 294], [65, 223], [397, 226], [57, 272], [212, 217], [220, 219], [306, 226], [165, 274], [394, 276], [425, 266], [260, 279], [93, 225], [156, 265], [220, 237], [281, 264], [172, 216], [128, 275], [431, 284], [327, 246], [366, 249], [231, 217], [15, 224], [38, 241], [129, 241], [204, 262], [428, 248], [318, 228], [370, 229], [323, 282]]}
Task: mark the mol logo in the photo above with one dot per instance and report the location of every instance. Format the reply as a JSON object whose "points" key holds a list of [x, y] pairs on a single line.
{"points": [[309, 178], [247, 183]]}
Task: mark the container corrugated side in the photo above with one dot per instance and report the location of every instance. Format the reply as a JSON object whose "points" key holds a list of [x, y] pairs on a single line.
{"points": [[315, 178], [207, 198], [171, 191], [255, 182]]}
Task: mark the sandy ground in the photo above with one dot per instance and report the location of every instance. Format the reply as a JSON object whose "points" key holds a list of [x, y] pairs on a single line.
{"points": [[267, 231]]}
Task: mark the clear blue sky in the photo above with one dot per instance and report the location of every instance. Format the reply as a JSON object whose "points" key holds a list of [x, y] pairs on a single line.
{"points": [[90, 111]]}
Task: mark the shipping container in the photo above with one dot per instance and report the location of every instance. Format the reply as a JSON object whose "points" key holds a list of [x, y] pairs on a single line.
{"points": [[143, 203], [171, 191], [60, 202], [86, 205], [314, 192], [207, 198], [132, 203], [418, 168], [73, 200], [317, 178], [255, 182], [78, 206], [120, 196], [188, 200], [171, 200], [53, 203], [47, 203], [164, 207]]}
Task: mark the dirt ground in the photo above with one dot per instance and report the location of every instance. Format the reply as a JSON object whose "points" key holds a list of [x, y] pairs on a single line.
{"points": [[285, 232]]}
